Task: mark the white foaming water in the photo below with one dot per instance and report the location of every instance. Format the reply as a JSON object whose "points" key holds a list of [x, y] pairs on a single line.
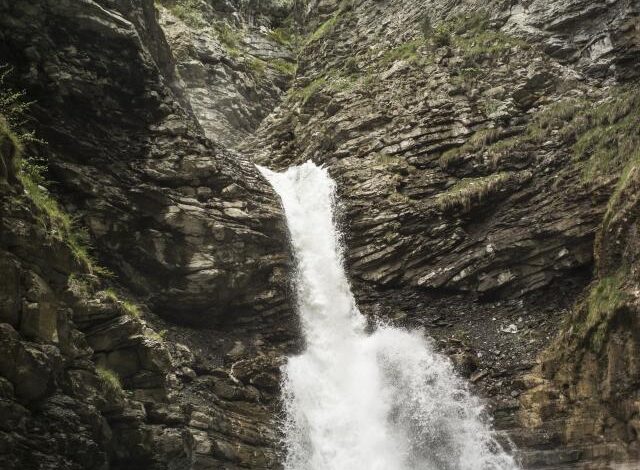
{"points": [[359, 401]]}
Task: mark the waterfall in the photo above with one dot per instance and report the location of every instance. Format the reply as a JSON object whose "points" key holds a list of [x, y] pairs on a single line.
{"points": [[365, 401]]}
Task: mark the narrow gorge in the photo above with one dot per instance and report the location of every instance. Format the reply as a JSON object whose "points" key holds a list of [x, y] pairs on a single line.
{"points": [[319, 234]]}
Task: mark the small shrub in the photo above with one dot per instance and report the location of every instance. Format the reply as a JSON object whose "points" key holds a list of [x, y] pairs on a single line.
{"points": [[441, 38]]}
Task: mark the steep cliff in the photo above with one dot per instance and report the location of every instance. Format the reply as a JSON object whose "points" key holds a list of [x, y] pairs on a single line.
{"points": [[477, 147], [486, 155], [185, 225]]}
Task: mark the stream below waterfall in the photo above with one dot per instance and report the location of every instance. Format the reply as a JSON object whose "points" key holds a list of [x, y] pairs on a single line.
{"points": [[355, 400]]}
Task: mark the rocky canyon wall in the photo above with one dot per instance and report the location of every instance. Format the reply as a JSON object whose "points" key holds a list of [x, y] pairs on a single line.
{"points": [[91, 377], [478, 146], [486, 155]]}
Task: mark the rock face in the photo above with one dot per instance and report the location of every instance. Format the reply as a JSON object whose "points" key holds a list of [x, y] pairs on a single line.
{"points": [[449, 208], [86, 381], [469, 142], [586, 388], [187, 223], [486, 155], [89, 378], [235, 63]]}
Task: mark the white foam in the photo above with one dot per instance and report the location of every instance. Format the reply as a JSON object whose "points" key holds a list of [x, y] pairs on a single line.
{"points": [[358, 401]]}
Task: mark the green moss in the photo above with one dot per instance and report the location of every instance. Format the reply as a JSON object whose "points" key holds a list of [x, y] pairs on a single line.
{"points": [[111, 380], [469, 191]]}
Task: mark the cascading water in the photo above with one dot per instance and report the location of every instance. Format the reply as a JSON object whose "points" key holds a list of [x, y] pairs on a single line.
{"points": [[358, 401]]}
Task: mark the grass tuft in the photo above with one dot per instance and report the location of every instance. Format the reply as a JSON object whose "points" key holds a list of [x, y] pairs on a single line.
{"points": [[111, 380], [475, 143], [469, 191], [189, 11], [128, 307]]}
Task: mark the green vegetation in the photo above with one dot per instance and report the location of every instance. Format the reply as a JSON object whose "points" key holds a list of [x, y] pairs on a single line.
{"points": [[607, 136], [228, 36], [285, 36], [468, 191], [409, 51], [476, 142], [474, 35], [605, 299], [333, 81], [128, 307], [426, 28], [604, 138], [31, 173], [471, 37], [258, 66], [58, 223], [324, 28], [330, 24], [111, 380], [283, 66], [13, 110], [188, 11], [156, 335]]}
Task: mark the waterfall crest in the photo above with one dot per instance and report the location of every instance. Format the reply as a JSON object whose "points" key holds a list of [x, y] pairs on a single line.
{"points": [[365, 401]]}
